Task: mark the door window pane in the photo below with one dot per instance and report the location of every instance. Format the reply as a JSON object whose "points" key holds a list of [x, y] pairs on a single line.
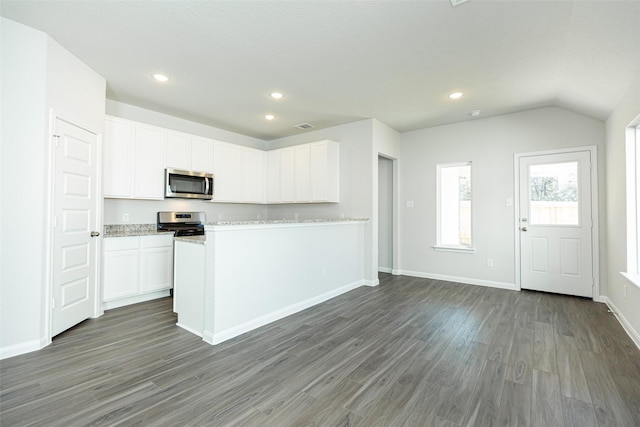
{"points": [[553, 194]]}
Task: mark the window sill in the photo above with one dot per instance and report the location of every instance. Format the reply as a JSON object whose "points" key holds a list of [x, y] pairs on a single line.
{"points": [[461, 249], [633, 278]]}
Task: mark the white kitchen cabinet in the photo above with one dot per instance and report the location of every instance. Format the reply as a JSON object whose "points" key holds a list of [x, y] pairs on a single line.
{"points": [[274, 164], [119, 137], [240, 174], [156, 263], [120, 267], [133, 160], [189, 152], [201, 154], [148, 177], [227, 170], [253, 176], [178, 150], [136, 269], [287, 176], [306, 173], [324, 171]]}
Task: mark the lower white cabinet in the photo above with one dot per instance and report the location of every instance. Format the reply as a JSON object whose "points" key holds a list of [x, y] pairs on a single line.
{"points": [[136, 269]]}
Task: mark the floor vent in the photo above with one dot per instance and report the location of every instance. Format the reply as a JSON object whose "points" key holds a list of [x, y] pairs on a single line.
{"points": [[303, 126]]}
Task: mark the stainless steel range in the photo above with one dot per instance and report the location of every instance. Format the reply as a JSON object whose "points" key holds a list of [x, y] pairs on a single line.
{"points": [[182, 223]]}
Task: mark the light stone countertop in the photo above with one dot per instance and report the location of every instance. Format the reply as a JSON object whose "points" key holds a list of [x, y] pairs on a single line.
{"points": [[287, 221], [131, 230]]}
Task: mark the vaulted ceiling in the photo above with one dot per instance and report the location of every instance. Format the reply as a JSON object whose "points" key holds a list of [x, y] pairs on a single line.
{"points": [[341, 61]]}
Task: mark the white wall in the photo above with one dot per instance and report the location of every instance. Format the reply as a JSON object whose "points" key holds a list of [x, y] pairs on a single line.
{"points": [[24, 128], [38, 77], [490, 144], [616, 243]]}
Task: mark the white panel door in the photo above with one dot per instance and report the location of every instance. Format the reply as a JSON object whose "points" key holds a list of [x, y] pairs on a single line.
{"points": [[287, 176], [253, 175], [74, 249], [227, 168], [178, 154], [555, 223]]}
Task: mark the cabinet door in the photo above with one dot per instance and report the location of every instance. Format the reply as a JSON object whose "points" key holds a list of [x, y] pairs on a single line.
{"points": [[302, 182], [202, 154], [253, 175], [227, 168], [149, 162], [118, 157], [178, 153], [318, 172], [156, 268], [120, 268], [273, 176], [287, 176]]}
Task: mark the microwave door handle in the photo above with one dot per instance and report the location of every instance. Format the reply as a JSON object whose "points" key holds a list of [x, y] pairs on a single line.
{"points": [[206, 187]]}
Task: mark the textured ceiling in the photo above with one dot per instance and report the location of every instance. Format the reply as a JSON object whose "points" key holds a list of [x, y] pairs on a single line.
{"points": [[343, 61]]}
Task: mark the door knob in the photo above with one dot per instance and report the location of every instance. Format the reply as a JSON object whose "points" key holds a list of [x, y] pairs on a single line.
{"points": [[95, 233], [523, 228]]}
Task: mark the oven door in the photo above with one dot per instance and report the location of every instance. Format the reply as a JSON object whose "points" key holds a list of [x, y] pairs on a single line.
{"points": [[188, 184]]}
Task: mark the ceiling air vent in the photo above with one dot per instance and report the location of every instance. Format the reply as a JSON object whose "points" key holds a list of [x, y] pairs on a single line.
{"points": [[303, 126]]}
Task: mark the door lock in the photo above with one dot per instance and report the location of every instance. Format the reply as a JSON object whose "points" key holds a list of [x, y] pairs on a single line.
{"points": [[95, 233]]}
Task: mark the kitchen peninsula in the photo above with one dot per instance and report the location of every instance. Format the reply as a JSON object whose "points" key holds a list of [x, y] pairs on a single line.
{"points": [[245, 274]]}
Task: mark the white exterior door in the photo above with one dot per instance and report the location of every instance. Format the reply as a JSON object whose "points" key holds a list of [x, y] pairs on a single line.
{"points": [[75, 188], [556, 223]]}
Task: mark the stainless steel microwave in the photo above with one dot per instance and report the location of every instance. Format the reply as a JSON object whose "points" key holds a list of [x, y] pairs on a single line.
{"points": [[188, 184]]}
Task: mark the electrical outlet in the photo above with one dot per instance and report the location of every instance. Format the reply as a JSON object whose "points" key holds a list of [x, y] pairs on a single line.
{"points": [[409, 203], [489, 262], [126, 217]]}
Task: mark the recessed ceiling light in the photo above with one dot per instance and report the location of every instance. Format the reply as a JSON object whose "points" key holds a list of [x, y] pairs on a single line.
{"points": [[269, 116], [276, 95], [161, 78], [456, 95]]}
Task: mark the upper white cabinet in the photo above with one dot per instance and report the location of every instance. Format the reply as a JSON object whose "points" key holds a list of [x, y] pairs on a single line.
{"points": [[136, 155], [133, 160], [227, 170], [253, 175], [119, 137], [148, 176], [189, 152], [324, 171], [307, 173], [240, 174]]}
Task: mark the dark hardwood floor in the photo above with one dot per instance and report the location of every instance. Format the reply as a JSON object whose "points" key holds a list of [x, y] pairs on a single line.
{"points": [[410, 352]]}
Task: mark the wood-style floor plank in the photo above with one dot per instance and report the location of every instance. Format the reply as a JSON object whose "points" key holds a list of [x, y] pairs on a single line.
{"points": [[410, 352]]}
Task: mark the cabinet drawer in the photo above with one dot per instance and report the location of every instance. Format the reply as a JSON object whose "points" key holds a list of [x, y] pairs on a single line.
{"points": [[159, 241], [120, 243]]}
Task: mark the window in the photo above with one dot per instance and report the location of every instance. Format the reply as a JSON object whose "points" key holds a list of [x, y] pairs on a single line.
{"points": [[633, 203], [454, 207]]}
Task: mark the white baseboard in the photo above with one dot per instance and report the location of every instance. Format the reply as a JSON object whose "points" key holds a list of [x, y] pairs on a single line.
{"points": [[22, 348], [218, 337], [188, 329], [371, 283], [108, 305], [635, 335], [466, 280], [385, 270]]}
